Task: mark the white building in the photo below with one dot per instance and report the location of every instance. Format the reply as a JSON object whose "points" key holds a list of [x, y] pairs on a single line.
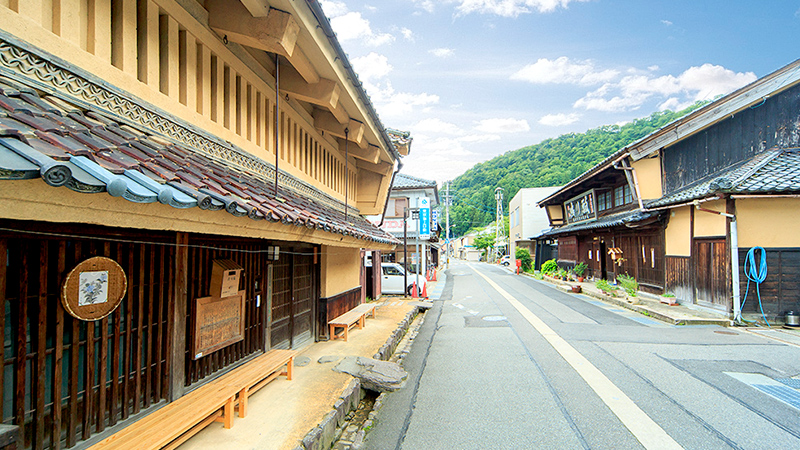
{"points": [[525, 219]]}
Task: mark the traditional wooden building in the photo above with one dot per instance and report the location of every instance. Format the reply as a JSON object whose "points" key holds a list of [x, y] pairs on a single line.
{"points": [[681, 208], [155, 154]]}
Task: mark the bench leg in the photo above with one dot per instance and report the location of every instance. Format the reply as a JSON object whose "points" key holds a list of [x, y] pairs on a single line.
{"points": [[361, 323], [227, 414], [289, 366], [346, 329], [331, 330], [243, 396]]}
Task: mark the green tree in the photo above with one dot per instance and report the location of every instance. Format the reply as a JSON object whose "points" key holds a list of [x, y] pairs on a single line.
{"points": [[552, 162], [524, 257]]}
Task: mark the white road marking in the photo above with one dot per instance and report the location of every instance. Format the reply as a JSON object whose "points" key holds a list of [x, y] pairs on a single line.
{"points": [[473, 312], [458, 305], [649, 433]]}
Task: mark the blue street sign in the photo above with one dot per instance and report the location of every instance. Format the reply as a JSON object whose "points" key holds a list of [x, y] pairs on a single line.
{"points": [[424, 218]]}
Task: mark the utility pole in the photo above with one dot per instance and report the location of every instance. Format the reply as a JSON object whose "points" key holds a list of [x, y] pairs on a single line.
{"points": [[500, 229], [447, 220], [405, 249]]}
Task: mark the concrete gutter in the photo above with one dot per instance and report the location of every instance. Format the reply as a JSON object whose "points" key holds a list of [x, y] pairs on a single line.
{"points": [[333, 423]]}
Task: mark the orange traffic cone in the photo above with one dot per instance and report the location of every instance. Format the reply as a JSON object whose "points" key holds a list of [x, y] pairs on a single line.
{"points": [[434, 275], [414, 291], [425, 290]]}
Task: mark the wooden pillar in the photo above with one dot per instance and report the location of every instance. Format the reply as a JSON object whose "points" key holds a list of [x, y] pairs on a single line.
{"points": [[267, 305], [177, 318]]}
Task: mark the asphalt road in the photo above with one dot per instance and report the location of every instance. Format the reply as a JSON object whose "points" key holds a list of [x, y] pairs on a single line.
{"points": [[504, 361]]}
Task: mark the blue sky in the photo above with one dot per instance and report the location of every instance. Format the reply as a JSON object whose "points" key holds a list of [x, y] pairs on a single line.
{"points": [[472, 79]]}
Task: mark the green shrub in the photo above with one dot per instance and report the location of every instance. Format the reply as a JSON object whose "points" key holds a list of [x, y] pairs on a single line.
{"points": [[549, 266], [628, 283], [524, 257], [538, 276], [604, 286], [580, 269]]}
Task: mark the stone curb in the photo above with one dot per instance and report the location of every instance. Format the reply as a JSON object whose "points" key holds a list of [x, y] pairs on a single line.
{"points": [[641, 308], [328, 431]]}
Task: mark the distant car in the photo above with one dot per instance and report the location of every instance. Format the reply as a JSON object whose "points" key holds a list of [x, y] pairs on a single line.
{"points": [[392, 282], [505, 260]]}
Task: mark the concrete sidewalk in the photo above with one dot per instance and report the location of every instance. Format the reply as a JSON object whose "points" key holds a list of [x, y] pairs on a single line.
{"points": [[647, 304], [283, 412]]}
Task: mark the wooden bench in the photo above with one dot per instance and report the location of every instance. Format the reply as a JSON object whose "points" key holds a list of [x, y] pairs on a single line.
{"points": [[353, 317], [176, 422], [256, 374]]}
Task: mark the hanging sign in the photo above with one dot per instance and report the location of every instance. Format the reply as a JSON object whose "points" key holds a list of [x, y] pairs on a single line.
{"points": [[219, 322], [94, 288], [581, 208], [424, 218]]}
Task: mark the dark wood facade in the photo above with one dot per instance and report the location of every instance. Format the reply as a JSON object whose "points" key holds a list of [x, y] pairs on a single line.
{"points": [[780, 292], [770, 125], [642, 250], [65, 379]]}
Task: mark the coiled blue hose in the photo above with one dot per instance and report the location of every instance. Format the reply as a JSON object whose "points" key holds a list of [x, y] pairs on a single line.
{"points": [[756, 275]]}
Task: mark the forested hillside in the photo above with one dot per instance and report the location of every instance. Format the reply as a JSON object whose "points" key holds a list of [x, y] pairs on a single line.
{"points": [[552, 162]]}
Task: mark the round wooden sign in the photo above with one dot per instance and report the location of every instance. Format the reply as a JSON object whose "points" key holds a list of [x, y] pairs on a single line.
{"points": [[94, 288]]}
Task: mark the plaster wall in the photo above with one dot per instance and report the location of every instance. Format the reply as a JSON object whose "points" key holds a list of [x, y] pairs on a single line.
{"points": [[678, 241], [768, 222], [224, 90], [340, 270], [709, 224], [648, 174]]}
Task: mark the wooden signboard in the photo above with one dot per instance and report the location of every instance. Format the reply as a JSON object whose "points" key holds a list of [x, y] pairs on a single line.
{"points": [[94, 288], [219, 322]]}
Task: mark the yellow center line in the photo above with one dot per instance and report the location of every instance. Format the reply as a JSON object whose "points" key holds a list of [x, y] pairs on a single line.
{"points": [[649, 433]]}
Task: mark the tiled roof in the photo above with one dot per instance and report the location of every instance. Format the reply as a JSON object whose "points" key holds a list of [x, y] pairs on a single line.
{"points": [[91, 150], [611, 220], [399, 137], [769, 172], [402, 181]]}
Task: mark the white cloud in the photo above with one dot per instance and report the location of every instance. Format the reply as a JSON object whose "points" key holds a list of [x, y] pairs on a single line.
{"points": [[442, 52], [503, 125], [333, 8], [425, 5], [667, 23], [436, 125], [509, 8], [371, 67], [427, 161], [352, 26], [653, 68], [695, 83], [563, 71], [556, 120], [407, 34]]}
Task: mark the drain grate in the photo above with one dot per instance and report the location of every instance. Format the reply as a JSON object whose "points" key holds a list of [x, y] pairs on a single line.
{"points": [[782, 393]]}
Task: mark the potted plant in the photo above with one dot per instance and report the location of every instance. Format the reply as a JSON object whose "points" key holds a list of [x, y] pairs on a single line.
{"points": [[630, 285], [579, 270], [605, 287]]}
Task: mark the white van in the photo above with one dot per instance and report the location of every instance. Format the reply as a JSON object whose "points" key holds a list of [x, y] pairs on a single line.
{"points": [[392, 279]]}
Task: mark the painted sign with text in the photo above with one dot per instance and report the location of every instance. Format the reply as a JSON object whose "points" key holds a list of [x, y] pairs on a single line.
{"points": [[581, 208], [424, 218]]}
